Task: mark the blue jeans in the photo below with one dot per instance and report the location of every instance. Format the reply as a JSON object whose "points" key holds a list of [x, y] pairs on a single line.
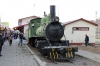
{"points": [[20, 41], [15, 37]]}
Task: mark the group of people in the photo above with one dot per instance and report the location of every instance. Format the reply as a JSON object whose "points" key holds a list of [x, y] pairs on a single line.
{"points": [[10, 38], [15, 35]]}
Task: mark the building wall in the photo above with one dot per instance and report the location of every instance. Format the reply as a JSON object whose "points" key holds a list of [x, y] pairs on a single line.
{"points": [[26, 21], [79, 36], [6, 24], [25, 28]]}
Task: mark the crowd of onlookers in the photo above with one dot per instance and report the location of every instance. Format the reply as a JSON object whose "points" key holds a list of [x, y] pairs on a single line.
{"points": [[12, 36]]}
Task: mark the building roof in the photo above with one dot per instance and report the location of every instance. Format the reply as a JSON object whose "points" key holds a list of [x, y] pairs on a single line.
{"points": [[67, 23], [20, 26], [20, 20]]}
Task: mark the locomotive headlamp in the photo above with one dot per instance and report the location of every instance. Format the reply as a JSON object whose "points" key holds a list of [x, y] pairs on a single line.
{"points": [[56, 19]]}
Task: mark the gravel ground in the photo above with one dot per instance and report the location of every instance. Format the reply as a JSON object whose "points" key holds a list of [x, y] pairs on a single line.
{"points": [[78, 60], [93, 49]]}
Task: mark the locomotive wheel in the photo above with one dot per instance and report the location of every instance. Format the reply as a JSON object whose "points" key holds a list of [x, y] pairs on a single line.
{"points": [[31, 43], [35, 42]]}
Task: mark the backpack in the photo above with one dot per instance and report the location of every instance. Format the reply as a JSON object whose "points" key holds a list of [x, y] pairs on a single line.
{"points": [[21, 36]]}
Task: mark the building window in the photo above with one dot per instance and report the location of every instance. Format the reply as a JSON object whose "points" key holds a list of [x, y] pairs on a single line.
{"points": [[80, 28], [19, 23]]}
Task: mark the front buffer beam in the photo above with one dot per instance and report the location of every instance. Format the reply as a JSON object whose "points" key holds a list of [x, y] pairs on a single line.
{"points": [[59, 52]]}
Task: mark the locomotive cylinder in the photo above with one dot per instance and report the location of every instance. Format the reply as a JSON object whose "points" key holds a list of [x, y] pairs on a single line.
{"points": [[52, 13]]}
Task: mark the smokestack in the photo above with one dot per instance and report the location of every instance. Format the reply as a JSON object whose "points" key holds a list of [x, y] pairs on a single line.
{"points": [[52, 12]]}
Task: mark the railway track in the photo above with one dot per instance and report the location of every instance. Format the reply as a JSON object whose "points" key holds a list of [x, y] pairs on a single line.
{"points": [[77, 61]]}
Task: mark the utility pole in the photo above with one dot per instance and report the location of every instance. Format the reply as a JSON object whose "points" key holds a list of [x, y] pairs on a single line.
{"points": [[95, 14], [0, 22], [58, 11], [34, 9], [0, 19]]}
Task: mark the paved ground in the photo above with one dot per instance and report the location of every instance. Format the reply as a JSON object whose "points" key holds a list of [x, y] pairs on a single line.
{"points": [[22, 56], [16, 55]]}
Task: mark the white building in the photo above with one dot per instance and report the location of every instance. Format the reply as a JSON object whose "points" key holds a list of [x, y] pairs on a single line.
{"points": [[23, 23], [75, 31]]}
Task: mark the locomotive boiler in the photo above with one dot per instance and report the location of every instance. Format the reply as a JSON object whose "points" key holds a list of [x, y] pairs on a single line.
{"points": [[46, 33]]}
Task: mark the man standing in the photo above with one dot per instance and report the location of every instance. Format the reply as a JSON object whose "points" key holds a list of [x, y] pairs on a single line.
{"points": [[86, 40], [1, 43], [20, 39]]}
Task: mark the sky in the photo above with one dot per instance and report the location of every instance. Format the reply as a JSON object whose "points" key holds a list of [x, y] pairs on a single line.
{"points": [[67, 10]]}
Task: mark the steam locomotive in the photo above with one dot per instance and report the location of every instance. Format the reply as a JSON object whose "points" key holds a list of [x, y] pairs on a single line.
{"points": [[46, 33]]}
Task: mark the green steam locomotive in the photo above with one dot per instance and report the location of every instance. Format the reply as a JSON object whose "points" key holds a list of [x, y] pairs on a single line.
{"points": [[46, 33]]}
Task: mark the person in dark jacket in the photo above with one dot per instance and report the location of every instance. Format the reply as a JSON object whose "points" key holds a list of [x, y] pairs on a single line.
{"points": [[86, 40], [1, 43], [20, 39]]}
